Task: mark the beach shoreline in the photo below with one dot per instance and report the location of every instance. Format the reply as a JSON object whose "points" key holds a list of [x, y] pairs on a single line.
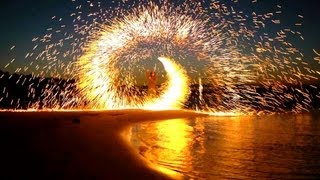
{"points": [[78, 144]]}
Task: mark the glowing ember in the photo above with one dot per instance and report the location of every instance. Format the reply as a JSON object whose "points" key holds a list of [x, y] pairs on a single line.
{"points": [[176, 91]]}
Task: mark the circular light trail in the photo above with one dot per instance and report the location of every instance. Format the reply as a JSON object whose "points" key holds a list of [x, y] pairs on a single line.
{"points": [[213, 56]]}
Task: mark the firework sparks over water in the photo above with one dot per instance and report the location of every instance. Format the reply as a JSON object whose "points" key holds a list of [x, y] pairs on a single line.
{"points": [[102, 54]]}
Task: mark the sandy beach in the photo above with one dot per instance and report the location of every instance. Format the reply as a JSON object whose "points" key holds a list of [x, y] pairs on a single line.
{"points": [[77, 145]]}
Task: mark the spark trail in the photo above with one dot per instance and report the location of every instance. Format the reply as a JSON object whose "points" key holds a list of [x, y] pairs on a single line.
{"points": [[243, 68]]}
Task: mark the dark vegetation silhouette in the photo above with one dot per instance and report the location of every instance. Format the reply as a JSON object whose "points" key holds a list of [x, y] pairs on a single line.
{"points": [[26, 91]]}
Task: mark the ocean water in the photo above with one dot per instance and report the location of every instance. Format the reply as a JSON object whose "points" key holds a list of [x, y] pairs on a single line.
{"points": [[250, 147]]}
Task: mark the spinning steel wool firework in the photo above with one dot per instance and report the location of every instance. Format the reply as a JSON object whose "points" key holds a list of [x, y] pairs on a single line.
{"points": [[243, 69]]}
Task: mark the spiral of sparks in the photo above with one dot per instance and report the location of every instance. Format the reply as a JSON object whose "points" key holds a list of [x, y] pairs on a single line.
{"points": [[240, 67], [120, 41], [150, 31]]}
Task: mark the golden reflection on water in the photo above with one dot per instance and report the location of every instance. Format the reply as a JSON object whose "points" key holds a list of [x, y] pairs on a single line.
{"points": [[171, 143], [233, 147]]}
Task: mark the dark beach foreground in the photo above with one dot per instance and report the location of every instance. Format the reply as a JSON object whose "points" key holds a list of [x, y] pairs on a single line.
{"points": [[76, 145]]}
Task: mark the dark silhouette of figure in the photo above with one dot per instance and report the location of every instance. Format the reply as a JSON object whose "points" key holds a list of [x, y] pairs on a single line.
{"points": [[152, 82]]}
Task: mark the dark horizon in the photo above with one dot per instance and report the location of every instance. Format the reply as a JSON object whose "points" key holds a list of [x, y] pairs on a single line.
{"points": [[314, 82], [15, 94]]}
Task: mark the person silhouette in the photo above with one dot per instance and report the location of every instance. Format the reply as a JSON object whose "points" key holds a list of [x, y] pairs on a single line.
{"points": [[152, 82]]}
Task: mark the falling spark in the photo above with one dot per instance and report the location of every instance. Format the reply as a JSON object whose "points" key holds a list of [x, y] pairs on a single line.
{"points": [[244, 70]]}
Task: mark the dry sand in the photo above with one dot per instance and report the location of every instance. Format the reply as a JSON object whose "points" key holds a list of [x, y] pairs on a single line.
{"points": [[76, 145]]}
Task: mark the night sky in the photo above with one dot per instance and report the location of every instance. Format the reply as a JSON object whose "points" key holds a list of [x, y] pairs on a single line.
{"points": [[21, 21]]}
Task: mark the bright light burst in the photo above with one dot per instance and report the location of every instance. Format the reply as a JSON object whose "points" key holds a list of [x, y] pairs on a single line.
{"points": [[242, 68], [176, 91], [146, 32]]}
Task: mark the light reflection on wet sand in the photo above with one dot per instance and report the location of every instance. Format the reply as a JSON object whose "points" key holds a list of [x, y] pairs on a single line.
{"points": [[285, 146], [169, 148]]}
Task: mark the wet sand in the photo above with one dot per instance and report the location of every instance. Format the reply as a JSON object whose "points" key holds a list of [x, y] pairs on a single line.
{"points": [[76, 145]]}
